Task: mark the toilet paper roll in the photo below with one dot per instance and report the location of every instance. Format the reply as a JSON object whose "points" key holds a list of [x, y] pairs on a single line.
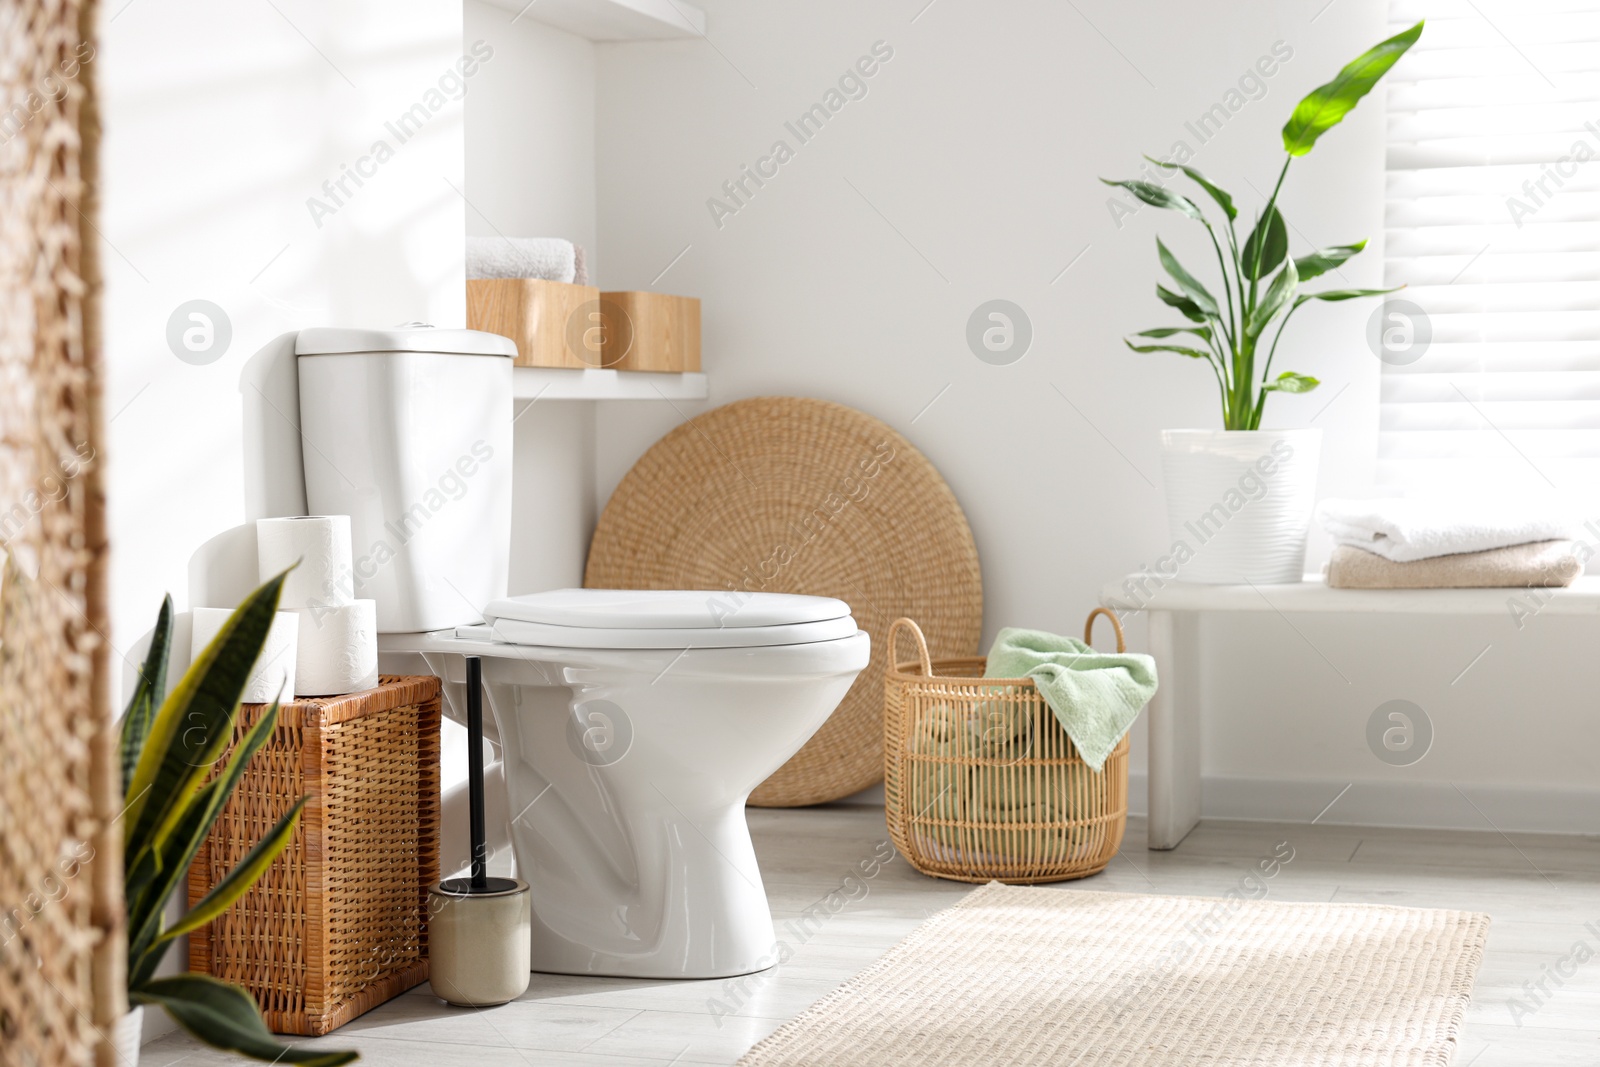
{"points": [[322, 544], [273, 676], [338, 649]]}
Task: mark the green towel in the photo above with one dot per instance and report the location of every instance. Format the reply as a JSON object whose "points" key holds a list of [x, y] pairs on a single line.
{"points": [[1014, 791], [1094, 695], [1007, 798], [938, 790], [1002, 731]]}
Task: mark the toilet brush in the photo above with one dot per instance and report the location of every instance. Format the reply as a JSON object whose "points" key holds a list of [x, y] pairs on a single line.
{"points": [[478, 935]]}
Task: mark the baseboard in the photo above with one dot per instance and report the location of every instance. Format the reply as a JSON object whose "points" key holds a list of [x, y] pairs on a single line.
{"points": [[872, 796], [1424, 805], [157, 1023]]}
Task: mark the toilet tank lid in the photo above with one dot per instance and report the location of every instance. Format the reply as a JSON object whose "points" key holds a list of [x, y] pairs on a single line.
{"points": [[412, 337], [661, 609]]}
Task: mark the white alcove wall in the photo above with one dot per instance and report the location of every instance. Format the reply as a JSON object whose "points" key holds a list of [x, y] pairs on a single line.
{"points": [[530, 172]]}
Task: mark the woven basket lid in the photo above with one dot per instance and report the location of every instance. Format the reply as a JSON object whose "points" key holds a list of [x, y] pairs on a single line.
{"points": [[792, 495]]}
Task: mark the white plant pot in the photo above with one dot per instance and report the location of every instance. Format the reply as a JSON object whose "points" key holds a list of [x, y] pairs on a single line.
{"points": [[1239, 503], [125, 1037]]}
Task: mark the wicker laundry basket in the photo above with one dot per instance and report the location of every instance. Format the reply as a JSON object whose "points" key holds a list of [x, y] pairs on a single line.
{"points": [[982, 784]]}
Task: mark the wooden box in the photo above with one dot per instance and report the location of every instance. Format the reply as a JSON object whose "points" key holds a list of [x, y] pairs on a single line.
{"points": [[339, 923], [651, 331], [553, 323]]}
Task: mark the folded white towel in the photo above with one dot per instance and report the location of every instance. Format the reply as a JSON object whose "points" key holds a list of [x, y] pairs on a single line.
{"points": [[1407, 530], [549, 258]]}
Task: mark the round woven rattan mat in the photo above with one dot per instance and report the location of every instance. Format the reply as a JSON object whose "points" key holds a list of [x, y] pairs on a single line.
{"points": [[792, 495]]}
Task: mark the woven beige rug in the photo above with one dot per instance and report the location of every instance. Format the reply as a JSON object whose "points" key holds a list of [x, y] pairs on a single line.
{"points": [[1033, 976]]}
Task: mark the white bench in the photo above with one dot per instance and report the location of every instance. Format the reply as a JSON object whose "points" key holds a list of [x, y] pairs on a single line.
{"points": [[1175, 610]]}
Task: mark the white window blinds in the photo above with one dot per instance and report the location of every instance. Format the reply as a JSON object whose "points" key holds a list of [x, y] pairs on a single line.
{"points": [[1492, 366]]}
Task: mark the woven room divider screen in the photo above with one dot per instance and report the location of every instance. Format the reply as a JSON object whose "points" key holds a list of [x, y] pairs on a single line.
{"points": [[61, 939]]}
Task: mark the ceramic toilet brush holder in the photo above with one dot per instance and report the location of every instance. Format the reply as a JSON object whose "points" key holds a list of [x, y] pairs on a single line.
{"points": [[478, 932]]}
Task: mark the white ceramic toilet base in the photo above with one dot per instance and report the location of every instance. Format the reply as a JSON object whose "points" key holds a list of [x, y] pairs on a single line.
{"points": [[626, 774], [711, 920]]}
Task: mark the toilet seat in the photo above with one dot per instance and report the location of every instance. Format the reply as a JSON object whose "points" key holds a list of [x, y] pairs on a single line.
{"points": [[662, 619], [513, 632]]}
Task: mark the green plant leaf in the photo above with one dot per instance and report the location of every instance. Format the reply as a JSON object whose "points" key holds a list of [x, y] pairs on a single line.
{"points": [[1273, 301], [1325, 259], [158, 873], [1192, 353], [150, 882], [1222, 197], [1189, 308], [1335, 295], [151, 688], [225, 1017], [1203, 332], [1156, 196], [241, 878], [196, 720], [1327, 105], [1271, 238], [1290, 382], [1188, 283]]}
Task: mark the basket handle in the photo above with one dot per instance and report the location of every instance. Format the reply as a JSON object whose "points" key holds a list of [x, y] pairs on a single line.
{"points": [[922, 645], [1088, 628]]}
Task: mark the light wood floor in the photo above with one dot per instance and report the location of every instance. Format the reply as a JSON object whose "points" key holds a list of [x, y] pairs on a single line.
{"points": [[1540, 890]]}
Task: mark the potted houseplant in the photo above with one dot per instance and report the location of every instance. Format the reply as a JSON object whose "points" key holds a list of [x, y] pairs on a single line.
{"points": [[1239, 499], [174, 791]]}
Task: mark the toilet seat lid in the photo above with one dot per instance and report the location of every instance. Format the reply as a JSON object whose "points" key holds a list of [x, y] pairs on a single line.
{"points": [[662, 609], [544, 635]]}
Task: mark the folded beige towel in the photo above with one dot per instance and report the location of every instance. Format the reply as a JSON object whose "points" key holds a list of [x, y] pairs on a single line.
{"points": [[1537, 563]]}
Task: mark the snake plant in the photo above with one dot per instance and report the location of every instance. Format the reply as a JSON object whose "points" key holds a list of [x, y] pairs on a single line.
{"points": [[1253, 296], [174, 794]]}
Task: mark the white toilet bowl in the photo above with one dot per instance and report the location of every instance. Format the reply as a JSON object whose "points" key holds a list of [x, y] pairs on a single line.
{"points": [[632, 734]]}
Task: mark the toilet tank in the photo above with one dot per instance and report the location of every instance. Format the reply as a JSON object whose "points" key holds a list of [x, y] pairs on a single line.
{"points": [[408, 431]]}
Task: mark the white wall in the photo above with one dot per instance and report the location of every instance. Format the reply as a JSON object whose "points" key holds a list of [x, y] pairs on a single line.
{"points": [[220, 123], [967, 173], [530, 169], [531, 130]]}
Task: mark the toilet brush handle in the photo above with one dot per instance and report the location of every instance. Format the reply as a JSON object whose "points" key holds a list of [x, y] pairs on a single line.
{"points": [[479, 832]]}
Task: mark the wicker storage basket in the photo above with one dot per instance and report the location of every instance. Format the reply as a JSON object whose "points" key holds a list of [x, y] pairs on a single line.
{"points": [[982, 784], [339, 922]]}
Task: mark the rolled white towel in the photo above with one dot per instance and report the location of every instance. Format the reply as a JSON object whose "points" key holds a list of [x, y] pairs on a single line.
{"points": [[1407, 530], [549, 258]]}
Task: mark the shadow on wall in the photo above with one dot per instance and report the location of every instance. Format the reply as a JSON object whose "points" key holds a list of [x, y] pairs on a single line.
{"points": [[269, 393], [222, 570]]}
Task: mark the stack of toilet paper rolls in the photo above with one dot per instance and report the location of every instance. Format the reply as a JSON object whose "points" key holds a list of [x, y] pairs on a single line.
{"points": [[337, 637]]}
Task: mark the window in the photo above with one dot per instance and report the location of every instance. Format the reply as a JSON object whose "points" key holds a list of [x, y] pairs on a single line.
{"points": [[1492, 219]]}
